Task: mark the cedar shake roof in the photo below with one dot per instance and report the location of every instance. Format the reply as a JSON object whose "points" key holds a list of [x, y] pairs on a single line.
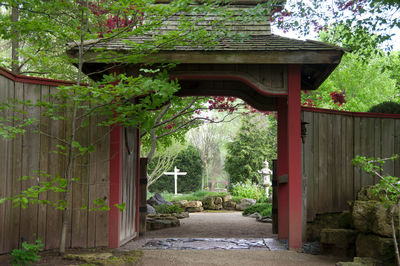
{"points": [[251, 43]]}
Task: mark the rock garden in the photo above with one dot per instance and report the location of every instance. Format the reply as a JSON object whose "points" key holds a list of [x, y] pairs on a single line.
{"points": [[363, 232], [163, 214]]}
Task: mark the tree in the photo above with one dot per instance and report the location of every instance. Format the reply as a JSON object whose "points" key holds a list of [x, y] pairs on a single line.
{"points": [[365, 77], [254, 143], [306, 17], [188, 160]]}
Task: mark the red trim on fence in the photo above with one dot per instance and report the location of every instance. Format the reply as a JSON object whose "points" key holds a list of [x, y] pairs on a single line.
{"points": [[357, 114], [33, 80], [294, 145], [226, 77], [137, 183], [115, 186]]}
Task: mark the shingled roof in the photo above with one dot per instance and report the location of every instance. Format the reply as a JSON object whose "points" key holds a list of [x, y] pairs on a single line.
{"points": [[252, 43]]}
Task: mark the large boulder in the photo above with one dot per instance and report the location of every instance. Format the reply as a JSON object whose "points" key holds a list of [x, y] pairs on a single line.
{"points": [[226, 198], [340, 220], [361, 261], [181, 203], [366, 194], [244, 203], [229, 205], [157, 199], [377, 247], [212, 203], [194, 206], [339, 242], [155, 222], [372, 217], [150, 209]]}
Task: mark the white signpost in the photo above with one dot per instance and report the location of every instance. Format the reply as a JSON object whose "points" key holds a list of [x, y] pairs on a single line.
{"points": [[175, 173]]}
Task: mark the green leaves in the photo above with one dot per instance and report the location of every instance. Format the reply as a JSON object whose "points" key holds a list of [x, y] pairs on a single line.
{"points": [[32, 194], [254, 143], [388, 188]]}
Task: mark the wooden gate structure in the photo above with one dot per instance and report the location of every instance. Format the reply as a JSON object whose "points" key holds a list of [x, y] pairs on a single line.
{"points": [[265, 70]]}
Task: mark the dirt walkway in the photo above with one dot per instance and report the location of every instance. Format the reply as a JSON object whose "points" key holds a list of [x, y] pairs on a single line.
{"points": [[232, 258], [216, 225], [222, 225]]}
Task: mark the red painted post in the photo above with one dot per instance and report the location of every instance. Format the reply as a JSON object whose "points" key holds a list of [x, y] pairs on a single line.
{"points": [[283, 189], [115, 185], [294, 152]]}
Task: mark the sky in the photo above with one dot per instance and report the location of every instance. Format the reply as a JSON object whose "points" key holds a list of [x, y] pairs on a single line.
{"points": [[325, 5]]}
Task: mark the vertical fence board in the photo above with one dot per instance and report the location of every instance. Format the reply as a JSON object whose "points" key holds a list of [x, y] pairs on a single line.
{"points": [[329, 189], [43, 166], [94, 137], [397, 148], [17, 173], [377, 141], [56, 166], [79, 228], [315, 162], [337, 162], [324, 186], [366, 144], [102, 184], [308, 159], [349, 154], [30, 163], [357, 151], [388, 144], [8, 216], [4, 177]]}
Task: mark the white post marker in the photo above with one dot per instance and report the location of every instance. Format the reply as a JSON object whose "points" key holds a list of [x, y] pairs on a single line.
{"points": [[175, 173]]}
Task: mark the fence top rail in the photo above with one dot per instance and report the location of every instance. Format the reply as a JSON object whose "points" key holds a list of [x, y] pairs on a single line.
{"points": [[33, 80], [347, 113]]}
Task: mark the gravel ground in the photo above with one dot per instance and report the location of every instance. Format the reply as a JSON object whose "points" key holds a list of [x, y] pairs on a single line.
{"points": [[232, 258], [222, 225]]}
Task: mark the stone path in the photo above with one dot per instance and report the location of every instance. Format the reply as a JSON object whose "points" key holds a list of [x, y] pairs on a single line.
{"points": [[213, 243]]}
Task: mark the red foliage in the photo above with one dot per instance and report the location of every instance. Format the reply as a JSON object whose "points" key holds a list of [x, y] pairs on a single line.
{"points": [[309, 103], [126, 20], [338, 97]]}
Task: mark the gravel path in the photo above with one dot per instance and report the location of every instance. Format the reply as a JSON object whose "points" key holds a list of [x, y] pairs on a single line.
{"points": [[222, 225], [216, 225], [232, 258]]}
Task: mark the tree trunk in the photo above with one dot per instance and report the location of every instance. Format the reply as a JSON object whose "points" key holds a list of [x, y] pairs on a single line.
{"points": [[15, 42], [396, 247]]}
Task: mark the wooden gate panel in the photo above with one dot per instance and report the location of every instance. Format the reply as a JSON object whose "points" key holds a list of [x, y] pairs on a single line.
{"points": [[129, 181]]}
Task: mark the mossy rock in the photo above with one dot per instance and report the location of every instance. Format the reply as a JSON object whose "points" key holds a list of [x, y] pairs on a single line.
{"points": [[108, 258], [376, 247]]}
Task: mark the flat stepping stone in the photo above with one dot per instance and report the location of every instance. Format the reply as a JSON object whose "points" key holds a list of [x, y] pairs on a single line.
{"points": [[214, 243]]}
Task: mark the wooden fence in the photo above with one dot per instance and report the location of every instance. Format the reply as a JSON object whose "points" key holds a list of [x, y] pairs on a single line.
{"points": [[333, 140], [31, 152]]}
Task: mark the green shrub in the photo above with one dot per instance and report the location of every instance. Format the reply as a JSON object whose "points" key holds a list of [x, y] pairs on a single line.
{"points": [[165, 208], [189, 161], [264, 209], [247, 190], [386, 108], [28, 253], [198, 195]]}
